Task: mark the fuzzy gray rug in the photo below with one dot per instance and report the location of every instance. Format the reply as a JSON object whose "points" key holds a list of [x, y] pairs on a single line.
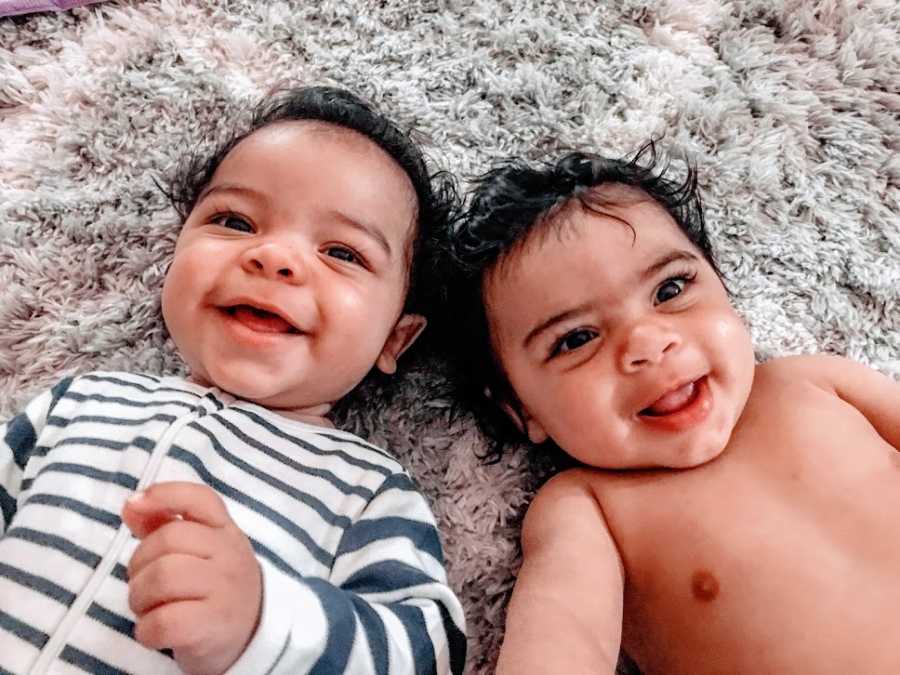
{"points": [[790, 108]]}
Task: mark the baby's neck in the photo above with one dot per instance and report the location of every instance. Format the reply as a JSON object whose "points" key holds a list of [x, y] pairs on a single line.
{"points": [[314, 414]]}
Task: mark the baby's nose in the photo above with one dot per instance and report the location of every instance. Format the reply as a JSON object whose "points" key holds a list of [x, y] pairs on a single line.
{"points": [[274, 261], [647, 345]]}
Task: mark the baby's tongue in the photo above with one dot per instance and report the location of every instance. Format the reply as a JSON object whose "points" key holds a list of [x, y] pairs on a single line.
{"points": [[261, 320], [673, 401]]}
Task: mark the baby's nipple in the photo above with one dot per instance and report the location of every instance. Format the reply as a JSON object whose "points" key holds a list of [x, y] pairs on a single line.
{"points": [[704, 586]]}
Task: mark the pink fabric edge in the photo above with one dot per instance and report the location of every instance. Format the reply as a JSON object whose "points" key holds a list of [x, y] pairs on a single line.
{"points": [[17, 7]]}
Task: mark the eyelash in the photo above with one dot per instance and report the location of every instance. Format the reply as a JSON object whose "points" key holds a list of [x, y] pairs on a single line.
{"points": [[686, 275], [358, 258], [558, 344], [217, 219]]}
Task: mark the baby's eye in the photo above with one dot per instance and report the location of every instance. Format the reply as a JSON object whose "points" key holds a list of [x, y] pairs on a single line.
{"points": [[233, 222], [343, 253], [670, 288], [574, 340]]}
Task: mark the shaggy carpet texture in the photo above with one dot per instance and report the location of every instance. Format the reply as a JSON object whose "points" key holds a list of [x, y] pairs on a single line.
{"points": [[790, 108]]}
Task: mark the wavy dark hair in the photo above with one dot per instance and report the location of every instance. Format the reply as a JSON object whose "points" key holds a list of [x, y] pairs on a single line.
{"points": [[510, 205], [436, 193]]}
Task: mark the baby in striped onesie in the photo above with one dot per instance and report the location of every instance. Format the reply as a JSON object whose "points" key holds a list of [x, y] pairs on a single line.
{"points": [[219, 523]]}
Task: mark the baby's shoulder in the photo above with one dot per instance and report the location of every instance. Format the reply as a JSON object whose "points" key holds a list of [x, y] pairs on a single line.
{"points": [[365, 453], [565, 506], [821, 370], [93, 386], [580, 487]]}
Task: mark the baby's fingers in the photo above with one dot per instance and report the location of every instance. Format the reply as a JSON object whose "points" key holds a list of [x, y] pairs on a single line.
{"points": [[171, 578], [176, 625], [161, 503], [178, 536]]}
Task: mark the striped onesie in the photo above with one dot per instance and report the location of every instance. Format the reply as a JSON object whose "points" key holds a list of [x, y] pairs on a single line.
{"points": [[353, 577]]}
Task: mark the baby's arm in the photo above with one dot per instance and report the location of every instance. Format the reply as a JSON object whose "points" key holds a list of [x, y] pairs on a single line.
{"points": [[386, 608], [197, 588], [18, 439], [565, 615], [875, 395]]}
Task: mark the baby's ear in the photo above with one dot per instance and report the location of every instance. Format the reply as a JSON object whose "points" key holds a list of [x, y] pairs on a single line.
{"points": [[521, 418], [408, 328]]}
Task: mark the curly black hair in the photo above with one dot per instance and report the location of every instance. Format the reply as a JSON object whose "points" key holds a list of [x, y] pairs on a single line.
{"points": [[436, 193], [509, 205]]}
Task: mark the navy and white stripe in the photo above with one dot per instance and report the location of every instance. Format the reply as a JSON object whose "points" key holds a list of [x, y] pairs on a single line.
{"points": [[352, 568]]}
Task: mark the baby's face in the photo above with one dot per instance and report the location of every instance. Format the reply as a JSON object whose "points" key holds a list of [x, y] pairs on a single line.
{"points": [[290, 273], [621, 346]]}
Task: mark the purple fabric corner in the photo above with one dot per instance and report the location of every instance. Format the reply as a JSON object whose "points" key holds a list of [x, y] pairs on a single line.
{"points": [[12, 7]]}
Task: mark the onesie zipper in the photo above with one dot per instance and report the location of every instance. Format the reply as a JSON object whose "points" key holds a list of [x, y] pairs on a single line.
{"points": [[60, 636]]}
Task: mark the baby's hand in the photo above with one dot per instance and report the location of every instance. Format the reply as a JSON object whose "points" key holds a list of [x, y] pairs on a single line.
{"points": [[193, 582]]}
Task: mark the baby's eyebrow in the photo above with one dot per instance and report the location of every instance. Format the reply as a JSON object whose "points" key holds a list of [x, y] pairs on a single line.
{"points": [[666, 259], [234, 188], [555, 319]]}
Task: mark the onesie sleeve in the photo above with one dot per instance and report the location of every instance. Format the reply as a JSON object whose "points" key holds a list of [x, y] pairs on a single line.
{"points": [[18, 441], [386, 608]]}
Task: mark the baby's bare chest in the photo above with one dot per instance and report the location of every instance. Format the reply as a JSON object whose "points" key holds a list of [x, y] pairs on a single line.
{"points": [[785, 551]]}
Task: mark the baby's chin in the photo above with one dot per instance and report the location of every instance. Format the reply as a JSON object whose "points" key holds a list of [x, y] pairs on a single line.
{"points": [[676, 456], [695, 457]]}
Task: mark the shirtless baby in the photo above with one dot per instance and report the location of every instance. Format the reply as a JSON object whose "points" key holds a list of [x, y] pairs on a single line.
{"points": [[726, 517]]}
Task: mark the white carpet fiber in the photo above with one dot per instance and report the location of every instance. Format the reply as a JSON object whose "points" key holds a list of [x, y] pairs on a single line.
{"points": [[791, 109]]}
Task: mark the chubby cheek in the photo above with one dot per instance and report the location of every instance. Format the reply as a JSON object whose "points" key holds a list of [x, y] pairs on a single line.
{"points": [[189, 274], [730, 333], [361, 316], [733, 349], [579, 414], [172, 297]]}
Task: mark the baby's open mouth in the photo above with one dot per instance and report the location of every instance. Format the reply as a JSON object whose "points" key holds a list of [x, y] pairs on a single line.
{"points": [[673, 401], [261, 320]]}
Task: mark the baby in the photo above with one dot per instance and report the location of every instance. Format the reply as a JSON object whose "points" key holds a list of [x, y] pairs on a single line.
{"points": [[725, 516], [253, 538]]}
